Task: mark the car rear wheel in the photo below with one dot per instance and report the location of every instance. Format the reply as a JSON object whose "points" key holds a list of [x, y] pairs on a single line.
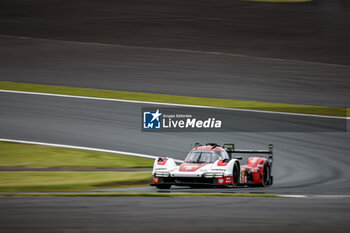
{"points": [[163, 186], [266, 177]]}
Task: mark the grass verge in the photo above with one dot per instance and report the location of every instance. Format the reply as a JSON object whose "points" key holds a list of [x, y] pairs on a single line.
{"points": [[121, 194], [225, 103], [34, 156], [28, 181]]}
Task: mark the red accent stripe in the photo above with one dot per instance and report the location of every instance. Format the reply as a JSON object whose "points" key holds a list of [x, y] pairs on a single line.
{"points": [[221, 163], [162, 162]]}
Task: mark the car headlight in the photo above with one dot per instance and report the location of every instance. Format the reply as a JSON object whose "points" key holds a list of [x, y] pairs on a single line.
{"points": [[162, 174], [213, 174], [208, 175], [218, 174]]}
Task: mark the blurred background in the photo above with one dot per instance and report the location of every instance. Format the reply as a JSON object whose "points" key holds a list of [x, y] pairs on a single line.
{"points": [[275, 51], [271, 51]]}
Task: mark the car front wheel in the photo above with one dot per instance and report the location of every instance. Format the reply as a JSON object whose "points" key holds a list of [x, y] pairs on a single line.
{"points": [[235, 174]]}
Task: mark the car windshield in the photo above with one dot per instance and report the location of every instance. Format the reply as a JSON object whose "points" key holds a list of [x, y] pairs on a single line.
{"points": [[202, 157]]}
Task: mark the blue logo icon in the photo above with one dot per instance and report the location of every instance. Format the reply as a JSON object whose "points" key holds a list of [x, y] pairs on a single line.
{"points": [[151, 120]]}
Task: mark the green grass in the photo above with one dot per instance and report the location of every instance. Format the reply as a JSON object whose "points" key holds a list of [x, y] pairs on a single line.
{"points": [[226, 103], [34, 156], [124, 194], [29, 181]]}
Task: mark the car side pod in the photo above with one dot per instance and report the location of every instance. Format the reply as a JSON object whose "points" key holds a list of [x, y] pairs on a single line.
{"points": [[243, 179], [261, 174]]}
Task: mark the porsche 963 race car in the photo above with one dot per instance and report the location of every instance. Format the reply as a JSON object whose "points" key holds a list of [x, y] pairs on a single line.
{"points": [[213, 165]]}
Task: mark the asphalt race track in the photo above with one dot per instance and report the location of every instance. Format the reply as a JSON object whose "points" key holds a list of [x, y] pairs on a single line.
{"points": [[103, 214], [313, 37], [172, 72], [305, 162], [289, 53]]}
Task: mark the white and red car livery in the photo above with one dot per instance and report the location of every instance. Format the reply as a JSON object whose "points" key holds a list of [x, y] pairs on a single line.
{"points": [[214, 165]]}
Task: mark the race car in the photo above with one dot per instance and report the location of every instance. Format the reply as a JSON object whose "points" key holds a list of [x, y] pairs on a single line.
{"points": [[213, 165]]}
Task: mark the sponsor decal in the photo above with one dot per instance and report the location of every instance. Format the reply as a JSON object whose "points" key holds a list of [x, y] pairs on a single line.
{"points": [[155, 180], [243, 177], [218, 169], [225, 180], [190, 168], [160, 168]]}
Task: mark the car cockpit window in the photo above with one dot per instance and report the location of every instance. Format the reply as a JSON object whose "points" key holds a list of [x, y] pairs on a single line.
{"points": [[203, 157]]}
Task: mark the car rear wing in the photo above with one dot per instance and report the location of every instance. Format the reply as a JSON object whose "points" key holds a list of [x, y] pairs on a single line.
{"points": [[230, 149]]}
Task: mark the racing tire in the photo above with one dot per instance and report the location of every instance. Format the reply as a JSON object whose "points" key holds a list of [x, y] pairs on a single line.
{"points": [[163, 186], [235, 174], [271, 179], [266, 177]]}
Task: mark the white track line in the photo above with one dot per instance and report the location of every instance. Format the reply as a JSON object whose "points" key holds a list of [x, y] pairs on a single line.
{"points": [[168, 104], [314, 196], [291, 195], [83, 148]]}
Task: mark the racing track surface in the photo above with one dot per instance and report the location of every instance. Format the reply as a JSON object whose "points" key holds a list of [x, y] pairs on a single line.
{"points": [[309, 162], [313, 37], [137, 214]]}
